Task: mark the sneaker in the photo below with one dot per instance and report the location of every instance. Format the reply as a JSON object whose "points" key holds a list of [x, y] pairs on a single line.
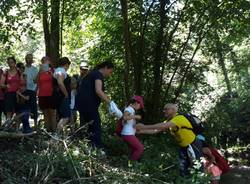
{"points": [[29, 131]]}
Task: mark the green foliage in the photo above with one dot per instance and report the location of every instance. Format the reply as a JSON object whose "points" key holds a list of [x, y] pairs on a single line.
{"points": [[45, 160]]}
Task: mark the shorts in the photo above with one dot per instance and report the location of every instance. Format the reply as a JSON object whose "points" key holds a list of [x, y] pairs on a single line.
{"points": [[46, 102], [64, 108], [10, 101]]}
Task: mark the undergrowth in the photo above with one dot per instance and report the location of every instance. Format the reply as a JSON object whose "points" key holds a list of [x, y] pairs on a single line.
{"points": [[42, 159]]}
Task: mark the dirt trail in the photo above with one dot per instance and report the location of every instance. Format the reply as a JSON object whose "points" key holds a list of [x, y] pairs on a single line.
{"points": [[238, 175]]}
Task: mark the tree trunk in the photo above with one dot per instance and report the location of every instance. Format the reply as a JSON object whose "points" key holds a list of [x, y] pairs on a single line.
{"points": [[179, 89], [46, 28], [138, 63], [61, 28], [55, 31], [156, 91], [127, 47], [183, 47], [221, 62]]}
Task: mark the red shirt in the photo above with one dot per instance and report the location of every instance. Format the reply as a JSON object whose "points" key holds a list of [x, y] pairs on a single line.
{"points": [[45, 84], [13, 82]]}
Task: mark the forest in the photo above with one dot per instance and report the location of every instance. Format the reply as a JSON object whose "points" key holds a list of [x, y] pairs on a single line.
{"points": [[193, 53]]}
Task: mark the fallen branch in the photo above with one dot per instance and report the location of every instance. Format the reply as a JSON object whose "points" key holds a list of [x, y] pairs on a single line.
{"points": [[80, 179], [15, 135]]}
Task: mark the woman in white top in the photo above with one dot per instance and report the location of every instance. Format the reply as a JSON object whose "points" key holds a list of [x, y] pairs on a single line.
{"points": [[129, 127]]}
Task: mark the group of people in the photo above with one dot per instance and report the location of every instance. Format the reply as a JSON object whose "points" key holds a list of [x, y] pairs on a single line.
{"points": [[193, 147], [60, 96]]}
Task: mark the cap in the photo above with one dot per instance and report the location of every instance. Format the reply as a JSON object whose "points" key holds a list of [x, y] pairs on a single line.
{"points": [[84, 65], [139, 99]]}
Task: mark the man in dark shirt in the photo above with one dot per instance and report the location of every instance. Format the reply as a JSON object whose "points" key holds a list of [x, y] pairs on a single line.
{"points": [[88, 99]]}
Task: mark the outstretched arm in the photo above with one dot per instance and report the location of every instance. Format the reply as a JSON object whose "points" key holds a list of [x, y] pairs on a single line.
{"points": [[147, 131], [158, 126]]}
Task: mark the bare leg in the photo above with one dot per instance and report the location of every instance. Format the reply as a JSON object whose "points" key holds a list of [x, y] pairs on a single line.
{"points": [[52, 119], [9, 115], [62, 124], [46, 119]]}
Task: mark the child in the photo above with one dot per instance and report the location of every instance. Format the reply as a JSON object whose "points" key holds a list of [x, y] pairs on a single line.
{"points": [[129, 127], [24, 107], [209, 161], [73, 86]]}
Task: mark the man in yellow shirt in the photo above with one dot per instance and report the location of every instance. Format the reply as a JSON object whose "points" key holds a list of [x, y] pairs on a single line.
{"points": [[181, 129]]}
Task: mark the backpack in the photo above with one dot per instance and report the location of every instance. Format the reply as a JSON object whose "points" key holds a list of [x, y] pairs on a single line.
{"points": [[119, 126], [197, 125], [221, 162]]}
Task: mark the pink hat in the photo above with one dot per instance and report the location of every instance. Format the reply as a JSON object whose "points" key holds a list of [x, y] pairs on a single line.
{"points": [[139, 99]]}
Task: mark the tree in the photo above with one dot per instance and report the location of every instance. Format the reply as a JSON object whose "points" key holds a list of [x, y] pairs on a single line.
{"points": [[52, 29]]}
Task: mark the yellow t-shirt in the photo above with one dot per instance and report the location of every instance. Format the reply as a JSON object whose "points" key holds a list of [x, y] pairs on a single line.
{"points": [[183, 136]]}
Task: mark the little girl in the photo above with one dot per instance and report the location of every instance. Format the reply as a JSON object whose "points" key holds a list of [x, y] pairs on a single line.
{"points": [[129, 127]]}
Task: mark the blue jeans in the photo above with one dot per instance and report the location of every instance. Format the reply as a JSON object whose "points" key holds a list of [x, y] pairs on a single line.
{"points": [[33, 103], [185, 162], [25, 121], [94, 128]]}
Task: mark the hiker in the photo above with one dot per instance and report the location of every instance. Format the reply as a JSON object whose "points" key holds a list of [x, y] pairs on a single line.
{"points": [[73, 112], [211, 166], [1, 98], [214, 163], [31, 73], [62, 92], [45, 90], [128, 130], [88, 99], [10, 83], [84, 69], [190, 146], [20, 67], [23, 107]]}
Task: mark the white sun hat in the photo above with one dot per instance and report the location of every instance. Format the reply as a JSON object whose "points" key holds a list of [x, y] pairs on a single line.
{"points": [[84, 65]]}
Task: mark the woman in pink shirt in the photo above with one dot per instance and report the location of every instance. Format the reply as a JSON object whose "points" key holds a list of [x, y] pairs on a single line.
{"points": [[10, 83]]}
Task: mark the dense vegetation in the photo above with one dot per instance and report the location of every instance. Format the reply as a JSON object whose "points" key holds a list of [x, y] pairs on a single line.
{"points": [[192, 52]]}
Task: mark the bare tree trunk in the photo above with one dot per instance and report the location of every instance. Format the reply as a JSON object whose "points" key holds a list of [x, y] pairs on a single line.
{"points": [[156, 91], [138, 63], [46, 28], [221, 62], [127, 47], [183, 47], [55, 30], [178, 91], [61, 28]]}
